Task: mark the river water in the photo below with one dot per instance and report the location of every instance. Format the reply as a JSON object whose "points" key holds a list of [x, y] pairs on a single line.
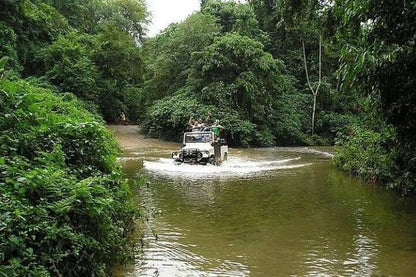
{"points": [[266, 212]]}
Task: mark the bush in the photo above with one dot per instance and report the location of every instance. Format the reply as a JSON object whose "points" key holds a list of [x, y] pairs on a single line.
{"points": [[68, 64], [168, 117], [287, 119], [331, 124], [367, 154], [64, 208]]}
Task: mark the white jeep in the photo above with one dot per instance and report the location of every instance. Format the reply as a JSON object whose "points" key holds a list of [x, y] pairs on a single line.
{"points": [[201, 148]]}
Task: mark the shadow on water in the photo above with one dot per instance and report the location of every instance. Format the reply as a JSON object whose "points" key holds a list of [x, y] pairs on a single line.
{"points": [[268, 212]]}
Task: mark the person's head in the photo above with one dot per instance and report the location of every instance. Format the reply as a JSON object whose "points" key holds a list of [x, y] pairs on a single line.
{"points": [[196, 122], [216, 122]]}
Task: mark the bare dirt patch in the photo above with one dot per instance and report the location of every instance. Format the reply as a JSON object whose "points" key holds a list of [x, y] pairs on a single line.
{"points": [[129, 138]]}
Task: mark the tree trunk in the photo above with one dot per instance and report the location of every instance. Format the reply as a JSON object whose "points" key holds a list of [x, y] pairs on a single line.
{"points": [[313, 113], [314, 91]]}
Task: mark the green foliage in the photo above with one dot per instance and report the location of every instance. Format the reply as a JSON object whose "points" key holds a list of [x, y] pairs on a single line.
{"points": [[130, 16], [287, 119], [8, 46], [34, 24], [134, 103], [168, 56], [63, 207], [233, 67], [83, 15], [378, 60], [236, 73], [169, 116], [218, 57], [68, 64], [45, 16], [366, 155], [235, 18], [89, 48], [3, 62], [238, 64], [117, 57], [289, 24], [119, 64]]}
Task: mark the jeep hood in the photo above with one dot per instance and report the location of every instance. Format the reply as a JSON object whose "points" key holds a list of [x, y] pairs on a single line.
{"points": [[200, 146]]}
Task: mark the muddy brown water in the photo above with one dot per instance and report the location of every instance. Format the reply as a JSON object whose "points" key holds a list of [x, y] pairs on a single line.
{"points": [[266, 212]]}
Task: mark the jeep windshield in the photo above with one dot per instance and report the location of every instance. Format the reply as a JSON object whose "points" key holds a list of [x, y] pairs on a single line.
{"points": [[198, 137]]}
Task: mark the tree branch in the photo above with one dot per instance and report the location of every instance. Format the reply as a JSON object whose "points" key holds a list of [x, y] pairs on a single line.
{"points": [[306, 67], [320, 65]]}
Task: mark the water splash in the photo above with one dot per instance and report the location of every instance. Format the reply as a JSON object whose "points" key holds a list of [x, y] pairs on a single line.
{"points": [[234, 167]]}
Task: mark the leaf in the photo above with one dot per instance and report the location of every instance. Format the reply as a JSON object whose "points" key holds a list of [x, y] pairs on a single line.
{"points": [[3, 62]]}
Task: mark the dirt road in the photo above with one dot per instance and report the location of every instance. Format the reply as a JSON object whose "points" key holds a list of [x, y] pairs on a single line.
{"points": [[129, 138]]}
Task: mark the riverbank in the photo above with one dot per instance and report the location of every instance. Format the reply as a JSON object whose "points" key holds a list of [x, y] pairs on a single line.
{"points": [[129, 138]]}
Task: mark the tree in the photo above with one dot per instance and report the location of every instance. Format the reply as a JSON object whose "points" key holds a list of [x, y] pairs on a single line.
{"points": [[316, 90], [83, 15], [131, 16], [379, 61], [293, 26], [203, 3], [34, 25], [235, 17], [235, 73], [168, 56], [238, 66], [68, 64]]}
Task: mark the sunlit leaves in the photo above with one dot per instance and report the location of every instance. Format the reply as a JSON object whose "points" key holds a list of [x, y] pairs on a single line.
{"points": [[131, 16], [47, 16]]}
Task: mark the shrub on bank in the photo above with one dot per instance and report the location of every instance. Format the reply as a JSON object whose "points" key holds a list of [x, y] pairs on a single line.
{"points": [[64, 209], [369, 155], [378, 157]]}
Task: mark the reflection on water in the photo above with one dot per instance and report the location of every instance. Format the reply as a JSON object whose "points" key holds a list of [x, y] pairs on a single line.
{"points": [[168, 257], [268, 212]]}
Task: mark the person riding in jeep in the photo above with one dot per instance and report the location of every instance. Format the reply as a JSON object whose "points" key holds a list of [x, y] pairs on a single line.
{"points": [[216, 128], [194, 126], [198, 125]]}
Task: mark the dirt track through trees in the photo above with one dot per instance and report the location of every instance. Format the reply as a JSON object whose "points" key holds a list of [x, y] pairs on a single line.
{"points": [[129, 138]]}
